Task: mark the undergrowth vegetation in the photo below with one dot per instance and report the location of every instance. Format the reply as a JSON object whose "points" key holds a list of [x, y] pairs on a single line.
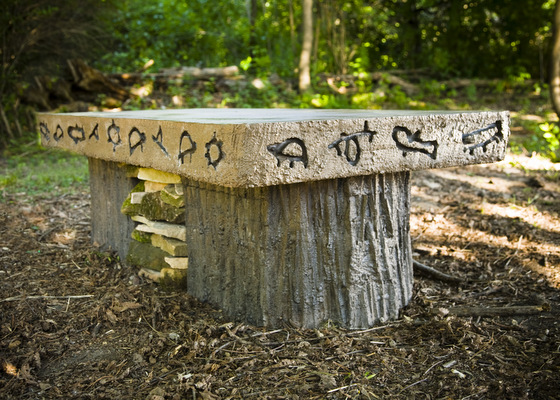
{"points": [[32, 172], [27, 168]]}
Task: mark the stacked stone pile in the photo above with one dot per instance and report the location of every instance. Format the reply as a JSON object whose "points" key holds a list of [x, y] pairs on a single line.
{"points": [[157, 204]]}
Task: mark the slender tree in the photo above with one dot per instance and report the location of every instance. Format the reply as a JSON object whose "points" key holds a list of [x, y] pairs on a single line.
{"points": [[555, 62], [307, 44]]}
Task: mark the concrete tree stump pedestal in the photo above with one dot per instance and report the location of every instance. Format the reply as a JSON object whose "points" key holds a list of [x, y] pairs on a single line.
{"points": [[291, 216]]}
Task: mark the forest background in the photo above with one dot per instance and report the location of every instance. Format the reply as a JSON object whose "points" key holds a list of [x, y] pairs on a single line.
{"points": [[377, 54]]}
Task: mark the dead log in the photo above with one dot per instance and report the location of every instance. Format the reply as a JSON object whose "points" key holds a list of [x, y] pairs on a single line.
{"points": [[93, 80], [479, 83], [202, 73], [166, 75], [409, 88], [463, 83]]}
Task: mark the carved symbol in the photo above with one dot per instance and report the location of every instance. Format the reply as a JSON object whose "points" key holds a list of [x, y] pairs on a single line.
{"points": [[76, 138], [352, 153], [190, 151], [159, 140], [113, 135], [411, 142], [95, 132], [59, 133], [44, 129], [483, 137], [214, 159], [135, 139], [284, 152]]}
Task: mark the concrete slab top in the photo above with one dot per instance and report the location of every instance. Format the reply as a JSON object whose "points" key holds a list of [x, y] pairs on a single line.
{"points": [[254, 115], [262, 147]]}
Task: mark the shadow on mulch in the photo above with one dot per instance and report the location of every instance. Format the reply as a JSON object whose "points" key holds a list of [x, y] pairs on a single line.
{"points": [[77, 323]]}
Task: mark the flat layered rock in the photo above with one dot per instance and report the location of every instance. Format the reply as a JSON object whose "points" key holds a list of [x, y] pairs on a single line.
{"points": [[161, 228], [263, 147]]}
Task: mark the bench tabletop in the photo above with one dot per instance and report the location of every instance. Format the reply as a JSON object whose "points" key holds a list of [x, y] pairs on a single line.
{"points": [[262, 147]]}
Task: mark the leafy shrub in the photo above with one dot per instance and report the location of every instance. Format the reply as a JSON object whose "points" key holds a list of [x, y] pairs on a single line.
{"points": [[551, 134]]}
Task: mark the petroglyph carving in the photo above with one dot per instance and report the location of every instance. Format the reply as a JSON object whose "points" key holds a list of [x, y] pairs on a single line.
{"points": [[189, 150], [411, 142], [214, 152], [58, 133], [352, 150], [76, 133], [95, 132], [483, 137], [114, 135], [292, 150], [136, 139], [159, 141], [44, 129]]}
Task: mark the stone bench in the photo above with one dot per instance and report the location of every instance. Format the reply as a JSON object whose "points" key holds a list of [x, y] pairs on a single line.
{"points": [[291, 216]]}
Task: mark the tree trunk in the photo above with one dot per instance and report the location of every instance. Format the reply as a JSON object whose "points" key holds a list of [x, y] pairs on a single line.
{"points": [[555, 62], [307, 43]]}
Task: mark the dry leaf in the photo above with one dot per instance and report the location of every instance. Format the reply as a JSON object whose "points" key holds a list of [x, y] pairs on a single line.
{"points": [[127, 305], [111, 317], [9, 368]]}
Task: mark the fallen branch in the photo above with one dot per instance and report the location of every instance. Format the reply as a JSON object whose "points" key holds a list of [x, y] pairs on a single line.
{"points": [[497, 311], [6, 123], [434, 273], [85, 296]]}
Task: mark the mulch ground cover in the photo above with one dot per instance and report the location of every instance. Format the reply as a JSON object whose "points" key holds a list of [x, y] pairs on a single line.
{"points": [[76, 323]]}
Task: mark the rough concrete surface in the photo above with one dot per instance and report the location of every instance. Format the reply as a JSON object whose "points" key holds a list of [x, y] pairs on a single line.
{"points": [[262, 147], [110, 229], [304, 254]]}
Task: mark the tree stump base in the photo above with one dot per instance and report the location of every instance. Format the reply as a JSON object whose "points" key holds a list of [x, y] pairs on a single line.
{"points": [[303, 254]]}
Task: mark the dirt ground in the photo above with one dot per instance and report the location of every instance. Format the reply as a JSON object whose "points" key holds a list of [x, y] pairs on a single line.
{"points": [[77, 323]]}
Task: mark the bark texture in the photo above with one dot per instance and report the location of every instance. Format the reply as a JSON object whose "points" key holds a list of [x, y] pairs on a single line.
{"points": [[334, 250], [306, 46], [109, 186], [555, 62]]}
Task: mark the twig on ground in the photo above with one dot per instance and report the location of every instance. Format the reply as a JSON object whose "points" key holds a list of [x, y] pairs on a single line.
{"points": [[497, 311], [435, 274], [21, 297], [375, 328], [414, 384], [429, 369], [266, 333], [342, 388]]}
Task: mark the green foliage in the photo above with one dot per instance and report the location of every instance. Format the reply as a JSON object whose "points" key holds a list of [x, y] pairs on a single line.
{"points": [[38, 37], [551, 134], [175, 32], [544, 140], [486, 38], [37, 173]]}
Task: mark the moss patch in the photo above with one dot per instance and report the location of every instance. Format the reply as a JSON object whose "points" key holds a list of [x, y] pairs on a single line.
{"points": [[147, 256]]}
